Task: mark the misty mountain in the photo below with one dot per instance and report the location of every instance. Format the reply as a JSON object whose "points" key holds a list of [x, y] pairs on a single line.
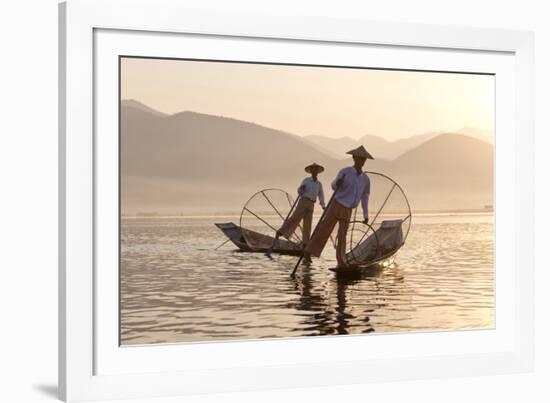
{"points": [[454, 169], [337, 147], [380, 148], [196, 161], [485, 135], [191, 162], [451, 154], [138, 105], [203, 147], [383, 149]]}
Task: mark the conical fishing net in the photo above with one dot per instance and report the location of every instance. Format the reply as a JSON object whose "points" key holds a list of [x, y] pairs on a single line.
{"points": [[388, 228], [263, 214]]}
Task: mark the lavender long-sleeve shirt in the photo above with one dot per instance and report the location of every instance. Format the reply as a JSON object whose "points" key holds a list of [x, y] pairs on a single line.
{"points": [[312, 189], [355, 189]]}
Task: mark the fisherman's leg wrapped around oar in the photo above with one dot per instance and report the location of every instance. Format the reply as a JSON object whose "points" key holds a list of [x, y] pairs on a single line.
{"points": [[306, 229], [303, 211], [343, 225], [336, 213]]}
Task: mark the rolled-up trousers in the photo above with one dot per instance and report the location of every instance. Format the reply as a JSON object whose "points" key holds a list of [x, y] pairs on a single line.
{"points": [[303, 211], [336, 213]]}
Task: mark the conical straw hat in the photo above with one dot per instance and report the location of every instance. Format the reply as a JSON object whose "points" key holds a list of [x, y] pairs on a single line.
{"points": [[360, 152], [314, 166]]}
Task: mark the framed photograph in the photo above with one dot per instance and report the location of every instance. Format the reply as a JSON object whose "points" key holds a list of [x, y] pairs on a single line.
{"points": [[256, 201]]}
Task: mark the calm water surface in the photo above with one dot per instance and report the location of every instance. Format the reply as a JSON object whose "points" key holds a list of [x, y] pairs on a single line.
{"points": [[176, 288]]}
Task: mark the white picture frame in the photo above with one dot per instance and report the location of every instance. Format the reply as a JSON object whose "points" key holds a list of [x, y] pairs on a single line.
{"points": [[84, 342]]}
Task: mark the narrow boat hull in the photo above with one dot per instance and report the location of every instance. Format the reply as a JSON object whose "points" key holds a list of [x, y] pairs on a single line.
{"points": [[261, 242], [369, 269]]}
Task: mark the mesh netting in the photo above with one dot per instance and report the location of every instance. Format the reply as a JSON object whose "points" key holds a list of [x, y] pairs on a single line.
{"points": [[388, 227], [263, 214]]}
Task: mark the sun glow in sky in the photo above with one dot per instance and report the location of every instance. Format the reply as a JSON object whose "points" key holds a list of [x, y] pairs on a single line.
{"points": [[332, 102]]}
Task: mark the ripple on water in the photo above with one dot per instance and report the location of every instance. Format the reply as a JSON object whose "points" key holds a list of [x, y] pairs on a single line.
{"points": [[176, 288]]}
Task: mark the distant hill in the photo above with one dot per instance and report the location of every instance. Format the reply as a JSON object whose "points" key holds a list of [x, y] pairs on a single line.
{"points": [[485, 135], [197, 163], [337, 147], [383, 149], [191, 160], [138, 105], [454, 169], [398, 147], [204, 147], [448, 151], [377, 146]]}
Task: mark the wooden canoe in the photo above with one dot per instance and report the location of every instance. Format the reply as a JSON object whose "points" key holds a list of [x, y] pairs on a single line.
{"points": [[256, 242]]}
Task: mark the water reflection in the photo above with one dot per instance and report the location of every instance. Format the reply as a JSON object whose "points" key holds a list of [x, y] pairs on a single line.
{"points": [[349, 302], [176, 288]]}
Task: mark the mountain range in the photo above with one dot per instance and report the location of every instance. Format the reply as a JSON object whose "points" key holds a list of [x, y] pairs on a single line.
{"points": [[191, 163], [382, 148]]}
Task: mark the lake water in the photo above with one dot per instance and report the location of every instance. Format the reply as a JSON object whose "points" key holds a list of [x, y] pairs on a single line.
{"points": [[176, 288]]}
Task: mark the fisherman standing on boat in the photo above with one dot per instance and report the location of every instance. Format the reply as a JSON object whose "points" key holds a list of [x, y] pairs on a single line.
{"points": [[350, 186], [308, 192]]}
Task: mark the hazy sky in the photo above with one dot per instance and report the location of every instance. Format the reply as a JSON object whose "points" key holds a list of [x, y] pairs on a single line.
{"points": [[333, 102]]}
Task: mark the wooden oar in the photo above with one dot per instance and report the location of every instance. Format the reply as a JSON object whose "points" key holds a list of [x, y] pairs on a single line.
{"points": [[292, 208], [223, 243], [270, 249], [316, 228]]}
